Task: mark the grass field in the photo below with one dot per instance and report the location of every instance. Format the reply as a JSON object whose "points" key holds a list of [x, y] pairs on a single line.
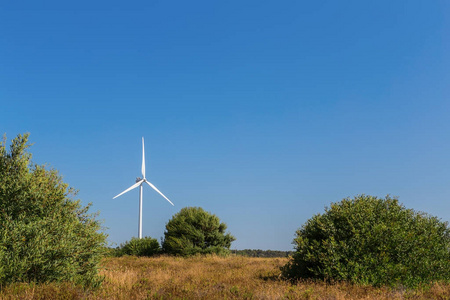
{"points": [[209, 277]]}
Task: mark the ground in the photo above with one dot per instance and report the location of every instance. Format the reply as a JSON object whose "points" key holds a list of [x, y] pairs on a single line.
{"points": [[208, 277]]}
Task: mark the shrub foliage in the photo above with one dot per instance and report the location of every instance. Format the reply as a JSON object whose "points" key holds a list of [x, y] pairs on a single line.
{"points": [[45, 234], [371, 240], [146, 246], [195, 231]]}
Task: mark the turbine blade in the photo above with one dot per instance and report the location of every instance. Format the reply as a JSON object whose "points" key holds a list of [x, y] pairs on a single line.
{"points": [[130, 188], [154, 187], [143, 159]]}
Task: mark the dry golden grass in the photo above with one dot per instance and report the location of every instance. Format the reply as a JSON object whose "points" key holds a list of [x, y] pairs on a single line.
{"points": [[209, 277]]}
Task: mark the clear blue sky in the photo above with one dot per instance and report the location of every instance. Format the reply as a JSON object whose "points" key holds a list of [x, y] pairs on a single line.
{"points": [[261, 112]]}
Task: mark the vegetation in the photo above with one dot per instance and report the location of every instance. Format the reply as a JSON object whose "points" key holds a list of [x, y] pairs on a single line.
{"points": [[195, 231], [45, 234], [366, 247], [139, 247], [262, 253], [209, 277], [369, 240]]}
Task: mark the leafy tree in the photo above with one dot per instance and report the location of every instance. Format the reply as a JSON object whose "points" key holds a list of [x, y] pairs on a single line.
{"points": [[45, 234], [195, 231], [139, 247], [371, 240]]}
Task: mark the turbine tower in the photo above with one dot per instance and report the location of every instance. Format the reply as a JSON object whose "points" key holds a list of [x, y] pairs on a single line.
{"points": [[139, 183]]}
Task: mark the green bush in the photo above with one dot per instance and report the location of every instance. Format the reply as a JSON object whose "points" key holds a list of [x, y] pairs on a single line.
{"points": [[139, 247], [195, 231], [45, 234], [369, 240]]}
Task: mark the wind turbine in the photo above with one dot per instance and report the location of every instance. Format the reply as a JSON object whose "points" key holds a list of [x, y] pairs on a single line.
{"points": [[139, 183]]}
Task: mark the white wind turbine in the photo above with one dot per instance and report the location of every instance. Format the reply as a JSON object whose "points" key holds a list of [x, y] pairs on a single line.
{"points": [[140, 182]]}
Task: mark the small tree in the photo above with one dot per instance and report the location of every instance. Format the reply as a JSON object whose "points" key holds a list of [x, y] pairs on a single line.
{"points": [[146, 246], [195, 231], [45, 234], [374, 241]]}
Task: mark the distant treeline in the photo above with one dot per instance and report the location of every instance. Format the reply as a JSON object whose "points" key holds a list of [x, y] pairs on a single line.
{"points": [[262, 253]]}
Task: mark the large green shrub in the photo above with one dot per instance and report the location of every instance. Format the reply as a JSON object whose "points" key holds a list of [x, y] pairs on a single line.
{"points": [[146, 246], [371, 240], [195, 231], [45, 234]]}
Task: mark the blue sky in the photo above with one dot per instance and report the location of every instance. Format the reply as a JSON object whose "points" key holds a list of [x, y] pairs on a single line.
{"points": [[260, 112]]}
